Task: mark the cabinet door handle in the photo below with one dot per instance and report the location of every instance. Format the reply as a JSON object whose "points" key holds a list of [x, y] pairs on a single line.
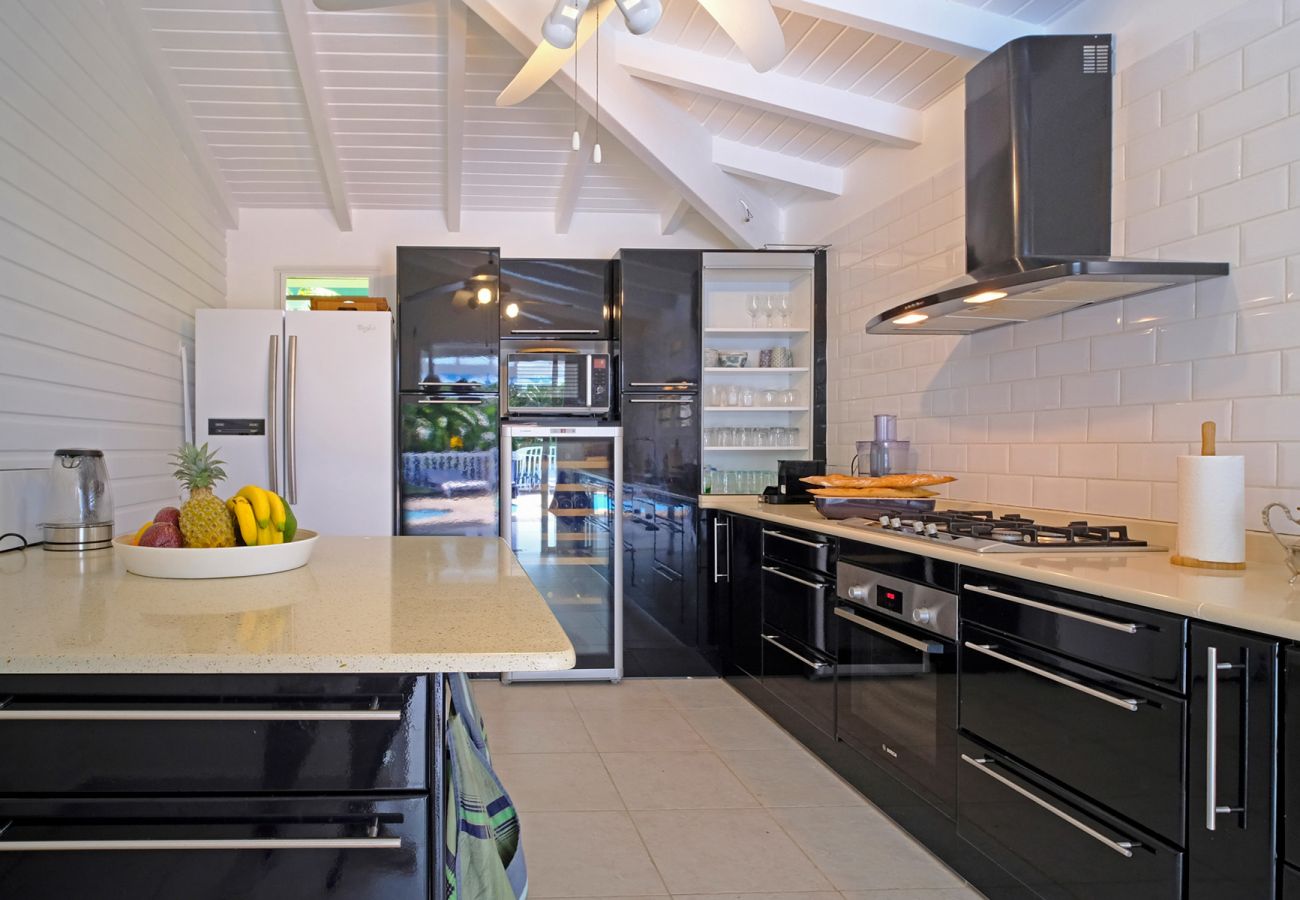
{"points": [[272, 388], [820, 545], [291, 423], [1123, 848], [718, 574], [905, 640], [812, 584], [554, 331], [667, 384], [200, 715], [1123, 703], [675, 401], [468, 401], [1212, 669], [368, 843], [815, 665], [1126, 627]]}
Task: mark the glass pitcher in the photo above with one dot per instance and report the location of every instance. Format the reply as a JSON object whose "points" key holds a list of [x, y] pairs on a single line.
{"points": [[78, 502]]}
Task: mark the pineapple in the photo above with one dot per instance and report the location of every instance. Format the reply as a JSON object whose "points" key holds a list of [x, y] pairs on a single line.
{"points": [[205, 521]]}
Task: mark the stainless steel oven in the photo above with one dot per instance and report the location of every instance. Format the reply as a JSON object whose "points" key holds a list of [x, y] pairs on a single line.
{"points": [[555, 378], [896, 689]]}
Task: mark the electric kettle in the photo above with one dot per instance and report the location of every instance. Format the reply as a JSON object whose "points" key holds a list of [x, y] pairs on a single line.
{"points": [[78, 502]]}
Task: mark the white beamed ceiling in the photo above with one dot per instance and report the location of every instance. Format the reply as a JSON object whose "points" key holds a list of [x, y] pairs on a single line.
{"points": [[382, 75]]}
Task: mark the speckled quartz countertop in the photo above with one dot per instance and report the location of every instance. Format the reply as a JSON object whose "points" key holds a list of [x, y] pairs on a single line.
{"points": [[1257, 599], [362, 605]]}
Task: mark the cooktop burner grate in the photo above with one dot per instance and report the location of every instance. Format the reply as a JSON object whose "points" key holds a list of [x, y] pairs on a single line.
{"points": [[986, 531]]}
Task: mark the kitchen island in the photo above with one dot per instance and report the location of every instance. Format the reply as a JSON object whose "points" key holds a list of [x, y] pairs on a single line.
{"points": [[278, 736]]}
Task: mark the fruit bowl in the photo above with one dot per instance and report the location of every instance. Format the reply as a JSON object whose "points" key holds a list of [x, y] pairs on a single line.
{"points": [[216, 562]]}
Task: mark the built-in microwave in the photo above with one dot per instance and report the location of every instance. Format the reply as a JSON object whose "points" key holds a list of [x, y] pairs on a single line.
{"points": [[555, 378]]}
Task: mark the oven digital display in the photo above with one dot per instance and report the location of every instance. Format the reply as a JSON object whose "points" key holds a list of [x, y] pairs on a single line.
{"points": [[890, 599]]}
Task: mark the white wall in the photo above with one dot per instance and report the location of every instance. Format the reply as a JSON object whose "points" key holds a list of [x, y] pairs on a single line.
{"points": [[1087, 411], [308, 238], [108, 244]]}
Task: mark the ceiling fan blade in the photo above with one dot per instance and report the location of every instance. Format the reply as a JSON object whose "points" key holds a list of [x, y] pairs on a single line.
{"points": [[753, 26], [356, 5], [547, 60]]}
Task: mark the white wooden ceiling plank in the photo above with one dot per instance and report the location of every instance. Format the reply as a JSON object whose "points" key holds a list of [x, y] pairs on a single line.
{"points": [[415, 44], [883, 72], [213, 19], [256, 139], [953, 28], [222, 41], [244, 109], [422, 96], [384, 80], [574, 172], [228, 59], [862, 61], [393, 112], [304, 55], [917, 72], [231, 5], [248, 93], [393, 20], [251, 124], [805, 39], [938, 84], [423, 63], [834, 55], [778, 93], [216, 76]]}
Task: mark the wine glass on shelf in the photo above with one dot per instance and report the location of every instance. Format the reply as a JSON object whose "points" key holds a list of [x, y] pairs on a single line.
{"points": [[753, 310], [784, 305], [770, 309]]}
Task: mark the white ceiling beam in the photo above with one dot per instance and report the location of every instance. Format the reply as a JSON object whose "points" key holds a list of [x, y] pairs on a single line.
{"points": [[454, 14], [738, 83], [675, 147], [129, 18], [673, 213], [768, 165], [575, 172], [304, 55], [943, 25]]}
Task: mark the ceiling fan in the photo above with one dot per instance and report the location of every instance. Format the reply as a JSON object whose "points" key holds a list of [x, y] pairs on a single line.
{"points": [[752, 24]]}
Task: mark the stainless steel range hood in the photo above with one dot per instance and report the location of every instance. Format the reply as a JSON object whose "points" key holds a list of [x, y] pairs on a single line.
{"points": [[1038, 194]]}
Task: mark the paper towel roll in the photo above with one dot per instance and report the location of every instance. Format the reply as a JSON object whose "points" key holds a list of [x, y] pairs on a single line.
{"points": [[1211, 510]]}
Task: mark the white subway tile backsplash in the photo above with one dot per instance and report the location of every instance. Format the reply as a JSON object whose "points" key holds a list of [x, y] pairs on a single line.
{"points": [[1261, 460], [1202, 87], [1197, 339], [1011, 490], [1164, 502], [1062, 359], [1124, 350], [1166, 383], [991, 340], [1274, 327], [1288, 463], [1241, 375], [991, 458], [1271, 237], [1034, 459], [1174, 304], [1092, 389], [1034, 394], [1060, 426], [1150, 462], [1011, 428], [1291, 372], [1223, 245], [1250, 198], [1157, 70], [1236, 28], [1069, 494], [1120, 424], [1271, 146], [1250, 109], [1012, 365], [1046, 330], [1099, 318], [1266, 419], [1275, 54], [1090, 460], [1175, 141], [1210, 168], [1248, 286], [989, 398], [1182, 421], [1162, 225], [1130, 499]]}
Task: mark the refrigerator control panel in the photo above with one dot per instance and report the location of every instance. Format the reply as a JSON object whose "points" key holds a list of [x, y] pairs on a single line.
{"points": [[236, 426]]}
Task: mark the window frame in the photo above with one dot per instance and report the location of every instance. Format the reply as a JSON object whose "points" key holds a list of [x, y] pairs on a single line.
{"points": [[284, 273]]}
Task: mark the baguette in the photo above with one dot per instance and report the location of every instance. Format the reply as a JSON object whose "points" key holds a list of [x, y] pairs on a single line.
{"points": [[879, 492], [883, 481]]}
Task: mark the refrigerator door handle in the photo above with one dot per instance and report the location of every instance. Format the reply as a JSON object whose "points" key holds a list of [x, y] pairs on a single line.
{"points": [[591, 388], [467, 401], [272, 389], [290, 423]]}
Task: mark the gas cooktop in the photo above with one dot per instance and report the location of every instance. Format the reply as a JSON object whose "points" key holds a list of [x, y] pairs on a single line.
{"points": [[983, 531]]}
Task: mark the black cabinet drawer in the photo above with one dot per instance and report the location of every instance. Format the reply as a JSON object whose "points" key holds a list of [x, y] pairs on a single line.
{"points": [[1290, 883], [1140, 643], [212, 734], [797, 603], [804, 549], [1055, 842], [209, 848], [801, 678], [1291, 764], [1109, 738]]}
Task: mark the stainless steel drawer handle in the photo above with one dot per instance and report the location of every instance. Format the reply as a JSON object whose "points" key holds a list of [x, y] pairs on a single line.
{"points": [[686, 401], [555, 331], [215, 844], [820, 545], [449, 402], [1123, 848], [1124, 703], [1212, 808], [675, 384], [812, 584], [812, 664], [200, 715], [1126, 627], [906, 640]]}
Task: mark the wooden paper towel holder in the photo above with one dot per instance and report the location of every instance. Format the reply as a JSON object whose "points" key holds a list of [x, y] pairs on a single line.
{"points": [[1207, 449]]}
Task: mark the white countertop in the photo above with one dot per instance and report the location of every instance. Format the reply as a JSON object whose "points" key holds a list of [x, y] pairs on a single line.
{"points": [[1257, 599], [362, 605]]}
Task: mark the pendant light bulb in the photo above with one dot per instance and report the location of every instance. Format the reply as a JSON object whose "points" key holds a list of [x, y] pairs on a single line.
{"points": [[595, 153], [560, 29], [577, 140]]}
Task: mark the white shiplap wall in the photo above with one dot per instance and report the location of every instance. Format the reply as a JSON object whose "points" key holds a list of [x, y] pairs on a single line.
{"points": [[108, 243]]}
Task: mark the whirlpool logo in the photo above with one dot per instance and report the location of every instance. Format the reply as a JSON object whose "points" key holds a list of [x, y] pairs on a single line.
{"points": [[365, 329]]}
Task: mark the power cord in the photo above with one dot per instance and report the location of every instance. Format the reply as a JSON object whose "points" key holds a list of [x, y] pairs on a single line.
{"points": [[9, 534]]}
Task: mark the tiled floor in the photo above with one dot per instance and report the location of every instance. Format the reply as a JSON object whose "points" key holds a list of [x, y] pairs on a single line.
{"points": [[683, 788]]}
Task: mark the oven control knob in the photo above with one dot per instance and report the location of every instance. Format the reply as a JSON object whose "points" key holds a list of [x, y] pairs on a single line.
{"points": [[918, 527], [884, 521], [858, 593], [896, 523], [922, 615], [931, 529]]}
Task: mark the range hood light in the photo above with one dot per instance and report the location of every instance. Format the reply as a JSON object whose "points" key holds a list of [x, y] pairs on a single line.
{"points": [[911, 319], [985, 297]]}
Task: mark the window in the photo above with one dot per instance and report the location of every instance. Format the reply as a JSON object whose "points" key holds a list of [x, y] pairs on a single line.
{"points": [[298, 290]]}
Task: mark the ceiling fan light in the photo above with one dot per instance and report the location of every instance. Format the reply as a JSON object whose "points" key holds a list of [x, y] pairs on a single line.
{"points": [[512, 310], [595, 153], [484, 296], [641, 15], [577, 140], [561, 27]]}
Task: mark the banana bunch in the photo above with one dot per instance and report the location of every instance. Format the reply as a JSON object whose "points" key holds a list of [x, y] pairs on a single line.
{"points": [[261, 516]]}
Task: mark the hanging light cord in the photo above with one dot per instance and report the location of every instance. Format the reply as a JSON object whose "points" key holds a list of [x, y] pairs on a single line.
{"points": [[596, 150], [577, 86]]}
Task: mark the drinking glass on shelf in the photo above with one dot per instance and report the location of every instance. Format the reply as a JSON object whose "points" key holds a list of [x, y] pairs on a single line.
{"points": [[753, 310], [768, 398], [784, 305], [733, 395], [709, 437], [747, 397], [792, 437], [790, 398]]}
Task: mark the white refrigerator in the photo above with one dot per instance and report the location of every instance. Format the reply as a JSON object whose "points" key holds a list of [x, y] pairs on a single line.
{"points": [[302, 403]]}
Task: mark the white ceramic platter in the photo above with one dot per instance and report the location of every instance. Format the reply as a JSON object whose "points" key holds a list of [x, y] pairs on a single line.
{"points": [[216, 562]]}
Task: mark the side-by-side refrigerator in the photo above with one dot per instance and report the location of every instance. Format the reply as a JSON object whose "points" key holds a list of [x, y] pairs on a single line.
{"points": [[301, 403], [448, 403]]}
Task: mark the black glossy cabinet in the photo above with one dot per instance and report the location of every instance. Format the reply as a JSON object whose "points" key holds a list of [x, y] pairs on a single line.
{"points": [[1290, 883], [447, 319], [556, 298], [660, 318], [1290, 753], [661, 442], [1233, 761], [735, 587], [217, 848]]}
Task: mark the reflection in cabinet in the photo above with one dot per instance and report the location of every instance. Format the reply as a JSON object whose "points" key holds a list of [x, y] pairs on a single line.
{"points": [[1233, 760], [736, 587]]}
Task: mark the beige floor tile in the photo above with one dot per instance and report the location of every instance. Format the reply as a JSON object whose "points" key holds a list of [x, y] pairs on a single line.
{"points": [[493, 695], [697, 693], [960, 893], [536, 731], [725, 851], [803, 895], [586, 854], [615, 730], [554, 782], [676, 779], [740, 728], [789, 778], [629, 694], [861, 850]]}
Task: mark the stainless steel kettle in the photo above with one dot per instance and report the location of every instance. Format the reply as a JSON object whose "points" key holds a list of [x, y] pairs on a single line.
{"points": [[78, 502]]}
